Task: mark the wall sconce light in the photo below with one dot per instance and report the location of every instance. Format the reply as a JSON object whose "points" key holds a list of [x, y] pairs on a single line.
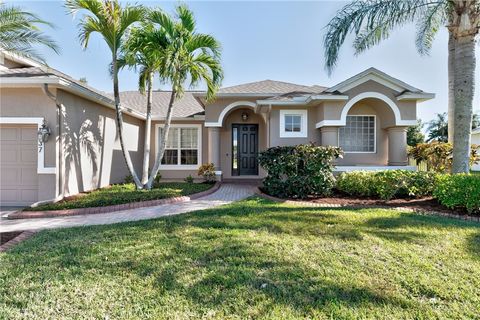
{"points": [[244, 116], [43, 133]]}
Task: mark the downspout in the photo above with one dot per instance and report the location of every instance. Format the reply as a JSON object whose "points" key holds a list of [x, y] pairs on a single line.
{"points": [[60, 146]]}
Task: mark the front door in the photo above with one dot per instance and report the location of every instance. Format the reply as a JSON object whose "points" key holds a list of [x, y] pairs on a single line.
{"points": [[244, 149]]}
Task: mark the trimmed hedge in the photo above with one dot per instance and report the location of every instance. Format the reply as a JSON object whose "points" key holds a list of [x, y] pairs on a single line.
{"points": [[387, 184], [299, 171], [459, 191]]}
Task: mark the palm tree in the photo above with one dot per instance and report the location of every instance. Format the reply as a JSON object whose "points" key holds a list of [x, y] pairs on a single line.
{"points": [[19, 32], [143, 51], [111, 21], [189, 57], [438, 128], [372, 21]]}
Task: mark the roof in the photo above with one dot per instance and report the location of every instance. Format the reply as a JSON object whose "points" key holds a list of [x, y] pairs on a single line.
{"points": [[187, 106], [269, 87]]}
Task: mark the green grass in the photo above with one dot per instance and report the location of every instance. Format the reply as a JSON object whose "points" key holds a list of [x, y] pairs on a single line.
{"points": [[125, 193], [251, 259]]}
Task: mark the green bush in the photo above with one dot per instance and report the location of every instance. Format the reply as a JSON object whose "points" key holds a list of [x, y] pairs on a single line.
{"points": [[299, 171], [459, 191], [189, 179], [387, 184]]}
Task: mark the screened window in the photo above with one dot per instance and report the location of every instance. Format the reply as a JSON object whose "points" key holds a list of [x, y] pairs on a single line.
{"points": [[181, 147], [358, 135]]}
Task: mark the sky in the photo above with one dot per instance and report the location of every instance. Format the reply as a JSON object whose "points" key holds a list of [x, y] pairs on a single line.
{"points": [[265, 40]]}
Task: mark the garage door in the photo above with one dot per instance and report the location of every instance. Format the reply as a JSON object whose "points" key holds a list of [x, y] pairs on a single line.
{"points": [[18, 162]]}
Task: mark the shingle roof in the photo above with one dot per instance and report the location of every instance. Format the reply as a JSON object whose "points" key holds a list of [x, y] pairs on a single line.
{"points": [[185, 107], [270, 87]]}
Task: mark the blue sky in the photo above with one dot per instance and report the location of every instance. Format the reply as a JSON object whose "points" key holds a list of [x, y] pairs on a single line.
{"points": [[266, 40]]}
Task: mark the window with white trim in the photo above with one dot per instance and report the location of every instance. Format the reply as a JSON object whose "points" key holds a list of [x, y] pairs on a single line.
{"points": [[293, 123], [182, 147], [358, 135]]}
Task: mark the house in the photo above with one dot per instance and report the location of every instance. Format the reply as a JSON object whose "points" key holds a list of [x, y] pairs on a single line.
{"points": [[476, 140], [367, 115]]}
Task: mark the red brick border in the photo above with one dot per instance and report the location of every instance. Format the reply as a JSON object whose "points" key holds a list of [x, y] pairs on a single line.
{"points": [[336, 205], [13, 242], [107, 209]]}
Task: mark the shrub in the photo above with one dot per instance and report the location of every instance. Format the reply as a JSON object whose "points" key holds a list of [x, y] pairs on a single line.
{"points": [[458, 191], [387, 184], [299, 171], [189, 179], [156, 181], [128, 179], [207, 171], [438, 155]]}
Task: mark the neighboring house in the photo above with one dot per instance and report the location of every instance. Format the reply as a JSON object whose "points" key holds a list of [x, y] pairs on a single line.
{"points": [[367, 115], [476, 140]]}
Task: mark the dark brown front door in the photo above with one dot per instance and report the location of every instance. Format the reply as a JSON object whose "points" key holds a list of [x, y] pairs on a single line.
{"points": [[244, 149]]}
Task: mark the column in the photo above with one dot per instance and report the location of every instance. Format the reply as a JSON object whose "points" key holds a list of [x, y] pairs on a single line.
{"points": [[329, 136], [214, 149], [397, 146]]}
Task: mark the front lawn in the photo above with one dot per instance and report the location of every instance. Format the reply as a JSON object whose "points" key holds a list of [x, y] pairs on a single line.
{"points": [[125, 193], [251, 259]]}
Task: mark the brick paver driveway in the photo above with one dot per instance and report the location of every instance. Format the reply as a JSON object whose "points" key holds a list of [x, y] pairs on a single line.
{"points": [[226, 194]]}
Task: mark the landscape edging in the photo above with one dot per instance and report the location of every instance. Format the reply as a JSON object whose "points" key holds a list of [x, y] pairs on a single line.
{"points": [[336, 205], [107, 209], [13, 242]]}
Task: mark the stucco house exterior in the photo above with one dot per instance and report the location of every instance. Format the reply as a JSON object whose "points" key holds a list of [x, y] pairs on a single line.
{"points": [[367, 115]]}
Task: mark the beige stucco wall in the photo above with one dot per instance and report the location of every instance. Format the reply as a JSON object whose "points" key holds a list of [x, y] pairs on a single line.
{"points": [[214, 108], [178, 174], [313, 135], [31, 102], [92, 154]]}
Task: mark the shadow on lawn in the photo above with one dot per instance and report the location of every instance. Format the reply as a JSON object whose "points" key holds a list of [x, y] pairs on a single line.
{"points": [[231, 269]]}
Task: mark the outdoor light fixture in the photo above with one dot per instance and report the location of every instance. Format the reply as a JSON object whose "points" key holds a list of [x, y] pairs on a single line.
{"points": [[43, 133], [244, 116]]}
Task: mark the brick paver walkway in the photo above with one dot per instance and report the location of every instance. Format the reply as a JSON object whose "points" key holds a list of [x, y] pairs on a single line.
{"points": [[226, 194]]}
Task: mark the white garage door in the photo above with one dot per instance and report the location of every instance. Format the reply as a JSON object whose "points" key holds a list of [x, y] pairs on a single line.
{"points": [[18, 162]]}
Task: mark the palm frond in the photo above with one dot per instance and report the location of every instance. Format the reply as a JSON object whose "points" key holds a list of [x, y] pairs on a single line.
{"points": [[186, 17], [428, 26], [371, 21]]}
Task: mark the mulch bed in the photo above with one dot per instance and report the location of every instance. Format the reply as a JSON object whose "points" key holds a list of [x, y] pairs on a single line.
{"points": [[7, 236], [421, 205]]}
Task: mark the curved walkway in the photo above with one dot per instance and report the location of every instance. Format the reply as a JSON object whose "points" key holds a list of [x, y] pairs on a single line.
{"points": [[226, 194]]}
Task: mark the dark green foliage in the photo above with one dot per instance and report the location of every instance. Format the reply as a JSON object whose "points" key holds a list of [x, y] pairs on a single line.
{"points": [[438, 128], [415, 135], [459, 191], [189, 179], [387, 184], [125, 193], [299, 171]]}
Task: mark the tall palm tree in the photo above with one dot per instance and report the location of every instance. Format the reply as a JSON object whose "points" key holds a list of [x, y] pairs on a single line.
{"points": [[20, 32], [372, 21], [189, 58], [143, 51], [111, 21]]}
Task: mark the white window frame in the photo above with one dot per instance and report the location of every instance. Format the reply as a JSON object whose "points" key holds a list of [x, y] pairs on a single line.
{"points": [[41, 169], [303, 133], [374, 133], [159, 126]]}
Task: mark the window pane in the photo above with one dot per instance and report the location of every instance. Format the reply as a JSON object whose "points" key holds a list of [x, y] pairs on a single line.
{"points": [[172, 141], [358, 134], [189, 138], [189, 156], [170, 157], [235, 148], [293, 123]]}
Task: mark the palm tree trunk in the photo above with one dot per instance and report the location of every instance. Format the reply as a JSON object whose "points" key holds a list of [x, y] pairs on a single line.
{"points": [[463, 93], [451, 95], [163, 141], [148, 127], [119, 119]]}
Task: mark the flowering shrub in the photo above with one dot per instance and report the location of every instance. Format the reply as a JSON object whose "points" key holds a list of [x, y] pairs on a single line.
{"points": [[299, 171], [207, 171]]}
